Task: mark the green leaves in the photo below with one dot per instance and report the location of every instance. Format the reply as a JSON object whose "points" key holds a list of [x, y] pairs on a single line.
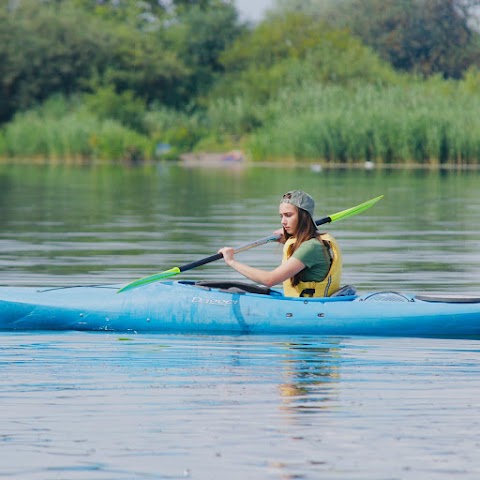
{"points": [[426, 37], [47, 52]]}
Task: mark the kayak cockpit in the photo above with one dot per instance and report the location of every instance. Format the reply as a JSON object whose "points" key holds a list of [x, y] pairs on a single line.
{"points": [[233, 287], [237, 287]]}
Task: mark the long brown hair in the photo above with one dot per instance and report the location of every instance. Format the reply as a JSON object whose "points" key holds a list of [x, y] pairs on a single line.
{"points": [[306, 230]]}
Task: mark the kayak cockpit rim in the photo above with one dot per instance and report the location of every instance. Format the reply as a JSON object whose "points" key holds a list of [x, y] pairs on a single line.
{"points": [[347, 293]]}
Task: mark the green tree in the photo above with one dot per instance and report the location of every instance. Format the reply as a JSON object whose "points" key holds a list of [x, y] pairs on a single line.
{"points": [[125, 108], [199, 36], [160, 52], [42, 53], [47, 49], [423, 36], [292, 50], [142, 63], [144, 15]]}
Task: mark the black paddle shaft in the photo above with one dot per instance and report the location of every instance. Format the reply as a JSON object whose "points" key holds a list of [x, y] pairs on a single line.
{"points": [[203, 261]]}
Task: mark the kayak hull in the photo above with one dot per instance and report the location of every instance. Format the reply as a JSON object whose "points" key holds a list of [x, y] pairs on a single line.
{"points": [[187, 307]]}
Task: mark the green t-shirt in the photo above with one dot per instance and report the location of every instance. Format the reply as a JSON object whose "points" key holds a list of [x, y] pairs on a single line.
{"points": [[314, 255]]}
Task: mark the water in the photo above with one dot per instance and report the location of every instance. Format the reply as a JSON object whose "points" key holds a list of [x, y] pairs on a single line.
{"points": [[102, 406], [67, 225], [109, 406]]}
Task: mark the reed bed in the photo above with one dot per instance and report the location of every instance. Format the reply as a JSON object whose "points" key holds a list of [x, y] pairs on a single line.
{"points": [[399, 124], [68, 136], [416, 122]]}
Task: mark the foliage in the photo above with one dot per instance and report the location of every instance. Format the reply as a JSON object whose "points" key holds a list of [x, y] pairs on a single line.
{"points": [[471, 81], [43, 53], [113, 141], [146, 14], [179, 129], [58, 47], [143, 64], [125, 107], [289, 51], [234, 117], [338, 80], [61, 130], [199, 37], [421, 124], [422, 36], [273, 41]]}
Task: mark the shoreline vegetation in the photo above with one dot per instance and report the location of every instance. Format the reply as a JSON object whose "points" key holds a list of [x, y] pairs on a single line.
{"points": [[416, 124], [292, 90]]}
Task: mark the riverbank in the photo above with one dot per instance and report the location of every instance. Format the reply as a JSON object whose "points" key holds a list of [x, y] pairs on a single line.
{"points": [[217, 161]]}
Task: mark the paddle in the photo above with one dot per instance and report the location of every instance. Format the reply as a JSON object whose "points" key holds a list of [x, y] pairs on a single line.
{"points": [[271, 238]]}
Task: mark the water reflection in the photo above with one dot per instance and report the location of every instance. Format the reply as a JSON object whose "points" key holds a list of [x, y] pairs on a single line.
{"points": [[311, 373]]}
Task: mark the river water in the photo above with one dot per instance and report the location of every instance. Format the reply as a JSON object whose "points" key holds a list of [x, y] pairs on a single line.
{"points": [[110, 406]]}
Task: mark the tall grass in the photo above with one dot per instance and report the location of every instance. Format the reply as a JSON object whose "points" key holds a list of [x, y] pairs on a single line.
{"points": [[396, 124], [179, 129], [60, 132]]}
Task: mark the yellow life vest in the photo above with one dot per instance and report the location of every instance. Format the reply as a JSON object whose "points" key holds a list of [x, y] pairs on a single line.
{"points": [[330, 284]]}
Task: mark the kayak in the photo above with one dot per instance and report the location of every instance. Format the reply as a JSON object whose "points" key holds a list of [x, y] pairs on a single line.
{"points": [[236, 307]]}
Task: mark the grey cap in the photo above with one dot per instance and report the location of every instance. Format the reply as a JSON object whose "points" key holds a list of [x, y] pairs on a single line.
{"points": [[301, 200]]}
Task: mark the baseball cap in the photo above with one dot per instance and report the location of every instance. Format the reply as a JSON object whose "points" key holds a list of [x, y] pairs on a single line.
{"points": [[301, 200]]}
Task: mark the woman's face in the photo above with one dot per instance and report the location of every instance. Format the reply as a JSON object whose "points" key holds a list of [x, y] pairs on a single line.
{"points": [[289, 217]]}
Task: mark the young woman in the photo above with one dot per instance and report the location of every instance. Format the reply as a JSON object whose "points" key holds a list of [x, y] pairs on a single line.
{"points": [[311, 265]]}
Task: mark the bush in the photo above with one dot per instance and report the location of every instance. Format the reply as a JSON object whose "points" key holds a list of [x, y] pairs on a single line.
{"points": [[115, 142], [59, 130], [180, 129], [123, 107]]}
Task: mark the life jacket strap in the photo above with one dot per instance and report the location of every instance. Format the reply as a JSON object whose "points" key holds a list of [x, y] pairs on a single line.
{"points": [[307, 292]]}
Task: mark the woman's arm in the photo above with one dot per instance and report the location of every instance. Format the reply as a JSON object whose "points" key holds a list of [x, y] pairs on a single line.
{"points": [[284, 271]]}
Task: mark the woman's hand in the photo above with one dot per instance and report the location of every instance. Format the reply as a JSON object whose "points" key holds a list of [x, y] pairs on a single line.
{"points": [[280, 232], [268, 278], [228, 254]]}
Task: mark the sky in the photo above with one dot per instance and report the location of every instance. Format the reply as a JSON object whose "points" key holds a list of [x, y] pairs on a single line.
{"points": [[253, 9]]}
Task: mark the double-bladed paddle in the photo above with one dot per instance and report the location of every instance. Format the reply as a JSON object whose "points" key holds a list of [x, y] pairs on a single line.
{"points": [[271, 238]]}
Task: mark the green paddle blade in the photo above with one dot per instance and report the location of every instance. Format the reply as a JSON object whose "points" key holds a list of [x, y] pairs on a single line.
{"points": [[151, 278], [355, 210]]}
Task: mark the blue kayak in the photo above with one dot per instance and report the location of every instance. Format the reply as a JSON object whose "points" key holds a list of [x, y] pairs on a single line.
{"points": [[236, 307]]}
